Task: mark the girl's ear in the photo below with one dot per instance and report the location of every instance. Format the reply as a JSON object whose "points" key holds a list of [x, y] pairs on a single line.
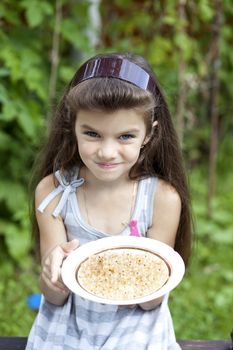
{"points": [[148, 137], [155, 123]]}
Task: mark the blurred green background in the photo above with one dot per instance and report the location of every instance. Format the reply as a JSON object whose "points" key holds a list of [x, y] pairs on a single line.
{"points": [[189, 45]]}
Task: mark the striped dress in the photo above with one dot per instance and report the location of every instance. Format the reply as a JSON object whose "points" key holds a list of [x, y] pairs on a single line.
{"points": [[81, 324]]}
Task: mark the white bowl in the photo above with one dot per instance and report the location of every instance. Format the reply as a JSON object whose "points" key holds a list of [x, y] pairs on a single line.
{"points": [[168, 254]]}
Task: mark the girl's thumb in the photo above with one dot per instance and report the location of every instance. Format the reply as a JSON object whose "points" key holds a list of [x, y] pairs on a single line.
{"points": [[69, 246]]}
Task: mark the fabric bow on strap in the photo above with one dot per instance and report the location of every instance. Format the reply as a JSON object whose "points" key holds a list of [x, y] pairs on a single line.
{"points": [[67, 188]]}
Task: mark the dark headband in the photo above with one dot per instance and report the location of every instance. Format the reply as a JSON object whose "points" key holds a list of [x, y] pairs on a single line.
{"points": [[115, 67]]}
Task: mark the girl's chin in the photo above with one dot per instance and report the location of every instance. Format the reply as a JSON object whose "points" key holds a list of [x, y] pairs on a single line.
{"points": [[109, 176]]}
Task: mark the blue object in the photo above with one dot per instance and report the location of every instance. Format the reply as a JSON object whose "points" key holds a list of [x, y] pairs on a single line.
{"points": [[34, 300]]}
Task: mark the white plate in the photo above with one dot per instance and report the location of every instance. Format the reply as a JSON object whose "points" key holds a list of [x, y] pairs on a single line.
{"points": [[169, 255]]}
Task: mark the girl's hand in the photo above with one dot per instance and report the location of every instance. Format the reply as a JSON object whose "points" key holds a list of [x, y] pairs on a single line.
{"points": [[51, 266]]}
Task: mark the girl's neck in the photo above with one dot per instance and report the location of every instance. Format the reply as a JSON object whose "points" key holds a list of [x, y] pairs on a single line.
{"points": [[107, 206]]}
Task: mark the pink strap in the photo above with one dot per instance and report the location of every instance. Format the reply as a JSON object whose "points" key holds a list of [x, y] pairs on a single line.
{"points": [[134, 228]]}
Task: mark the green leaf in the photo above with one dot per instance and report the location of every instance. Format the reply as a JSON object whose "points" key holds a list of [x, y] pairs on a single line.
{"points": [[36, 11], [205, 10], [4, 72], [9, 112], [25, 120], [12, 61], [183, 41], [171, 20], [5, 140], [74, 34], [16, 238], [3, 94], [223, 236], [13, 194]]}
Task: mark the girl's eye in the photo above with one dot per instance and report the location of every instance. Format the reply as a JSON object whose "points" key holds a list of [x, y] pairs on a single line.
{"points": [[91, 133], [126, 137]]}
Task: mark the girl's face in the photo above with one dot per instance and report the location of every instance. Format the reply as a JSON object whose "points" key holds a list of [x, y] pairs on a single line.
{"points": [[109, 142]]}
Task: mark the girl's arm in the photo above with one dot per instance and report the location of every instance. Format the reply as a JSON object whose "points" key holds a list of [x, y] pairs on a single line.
{"points": [[53, 245], [166, 217]]}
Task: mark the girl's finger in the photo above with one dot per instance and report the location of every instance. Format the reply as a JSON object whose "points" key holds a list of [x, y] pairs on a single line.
{"points": [[59, 283], [57, 287], [53, 261], [56, 262], [69, 246]]}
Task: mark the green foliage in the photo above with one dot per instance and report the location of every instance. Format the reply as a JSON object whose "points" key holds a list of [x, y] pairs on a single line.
{"points": [[15, 286], [201, 304], [36, 11], [26, 39]]}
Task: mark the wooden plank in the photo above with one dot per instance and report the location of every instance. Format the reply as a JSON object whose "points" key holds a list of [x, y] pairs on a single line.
{"points": [[205, 344], [13, 343], [19, 343]]}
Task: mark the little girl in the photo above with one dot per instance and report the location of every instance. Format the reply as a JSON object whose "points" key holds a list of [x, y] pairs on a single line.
{"points": [[111, 166]]}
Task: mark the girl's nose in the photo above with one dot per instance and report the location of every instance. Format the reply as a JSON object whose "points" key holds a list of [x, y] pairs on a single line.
{"points": [[107, 150]]}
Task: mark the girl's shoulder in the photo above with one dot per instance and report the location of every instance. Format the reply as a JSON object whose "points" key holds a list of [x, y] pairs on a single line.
{"points": [[45, 186], [167, 196], [43, 189], [52, 191], [166, 214]]}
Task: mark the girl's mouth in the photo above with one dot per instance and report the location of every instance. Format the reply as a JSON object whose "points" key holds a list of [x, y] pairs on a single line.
{"points": [[107, 165]]}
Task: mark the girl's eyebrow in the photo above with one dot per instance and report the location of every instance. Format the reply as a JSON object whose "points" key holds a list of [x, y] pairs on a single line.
{"points": [[85, 126], [88, 127], [128, 131]]}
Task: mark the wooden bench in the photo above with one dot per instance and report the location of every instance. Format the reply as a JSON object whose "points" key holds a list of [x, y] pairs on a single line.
{"points": [[205, 344], [19, 343]]}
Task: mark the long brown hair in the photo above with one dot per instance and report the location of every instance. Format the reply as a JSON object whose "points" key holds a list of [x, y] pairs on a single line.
{"points": [[160, 157]]}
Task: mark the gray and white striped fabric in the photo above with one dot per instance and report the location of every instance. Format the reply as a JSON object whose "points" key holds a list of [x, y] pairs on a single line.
{"points": [[81, 324]]}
